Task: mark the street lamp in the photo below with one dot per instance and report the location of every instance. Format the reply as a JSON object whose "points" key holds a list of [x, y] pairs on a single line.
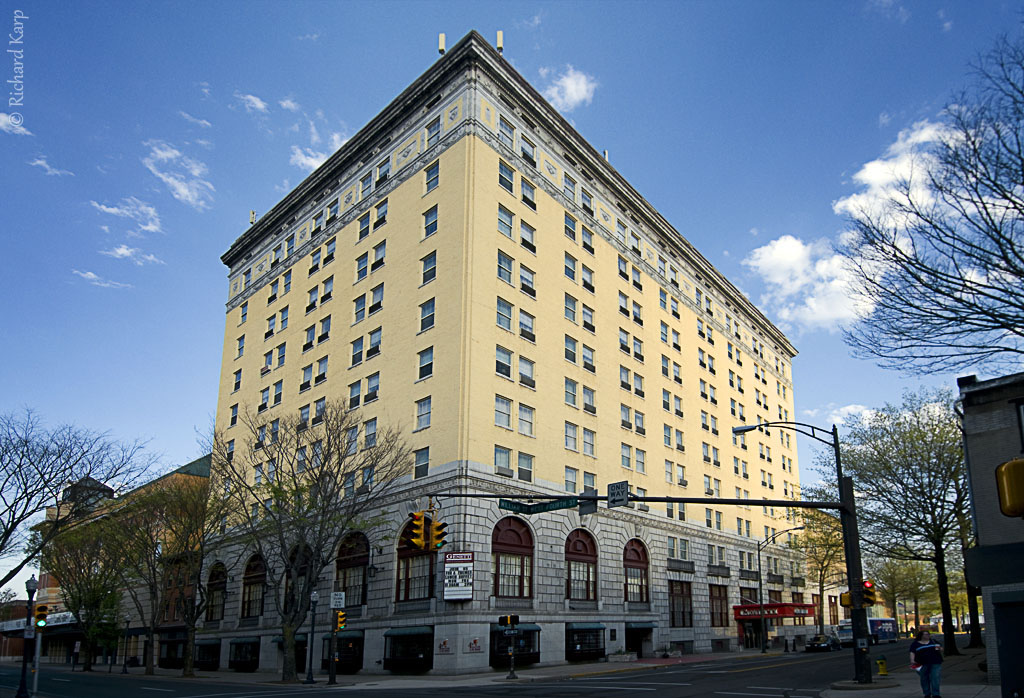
{"points": [[30, 586], [761, 545], [313, 598], [124, 659], [851, 540]]}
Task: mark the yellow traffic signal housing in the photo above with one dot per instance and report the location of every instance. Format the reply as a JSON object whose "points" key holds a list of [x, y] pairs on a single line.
{"points": [[870, 593], [1010, 485], [419, 530], [41, 611], [340, 621], [438, 531], [508, 620], [845, 601]]}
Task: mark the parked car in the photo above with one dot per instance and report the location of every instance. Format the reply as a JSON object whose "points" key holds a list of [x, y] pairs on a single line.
{"points": [[822, 643]]}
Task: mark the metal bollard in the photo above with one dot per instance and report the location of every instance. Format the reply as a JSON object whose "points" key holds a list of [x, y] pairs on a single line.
{"points": [[881, 665]]}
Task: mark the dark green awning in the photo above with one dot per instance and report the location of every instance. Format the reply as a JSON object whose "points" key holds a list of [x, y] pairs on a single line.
{"points": [[345, 634], [521, 626], [410, 630], [299, 637], [641, 626], [245, 641], [584, 626], [207, 641]]}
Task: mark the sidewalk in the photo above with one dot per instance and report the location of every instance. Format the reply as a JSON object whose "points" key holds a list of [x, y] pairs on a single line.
{"points": [[961, 678]]}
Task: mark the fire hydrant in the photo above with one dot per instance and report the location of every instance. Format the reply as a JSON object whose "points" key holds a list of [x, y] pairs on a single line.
{"points": [[881, 665]]}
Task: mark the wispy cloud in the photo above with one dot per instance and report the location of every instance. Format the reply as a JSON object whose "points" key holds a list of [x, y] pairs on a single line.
{"points": [[569, 90], [947, 24], [338, 140], [204, 87], [97, 280], [12, 124], [838, 414], [890, 9], [145, 216], [194, 120], [306, 158], [252, 103], [184, 176], [289, 104], [309, 37], [41, 163], [284, 186], [883, 119], [132, 254], [531, 23]]}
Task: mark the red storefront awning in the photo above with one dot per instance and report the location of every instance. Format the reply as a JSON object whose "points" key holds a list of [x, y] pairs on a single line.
{"points": [[773, 610]]}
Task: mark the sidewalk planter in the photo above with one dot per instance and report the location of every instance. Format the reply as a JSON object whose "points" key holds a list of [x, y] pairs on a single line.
{"points": [[624, 657]]}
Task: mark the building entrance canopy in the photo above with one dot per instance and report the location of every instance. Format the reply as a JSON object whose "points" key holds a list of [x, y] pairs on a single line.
{"points": [[773, 610]]}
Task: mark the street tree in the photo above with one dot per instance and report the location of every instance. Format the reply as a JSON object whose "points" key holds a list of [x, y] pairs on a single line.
{"points": [[822, 547], [939, 263], [297, 489], [86, 566], [37, 463], [906, 462]]}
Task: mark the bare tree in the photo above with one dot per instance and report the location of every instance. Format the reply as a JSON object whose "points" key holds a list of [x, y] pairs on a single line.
{"points": [[86, 565], [298, 489], [822, 547], [941, 263], [37, 464], [906, 462]]}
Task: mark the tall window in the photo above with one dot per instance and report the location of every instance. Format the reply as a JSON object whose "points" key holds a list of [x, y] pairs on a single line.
{"points": [[581, 566], [415, 578], [719, 594], [636, 564], [680, 605], [512, 550], [350, 566], [216, 587], [252, 588]]}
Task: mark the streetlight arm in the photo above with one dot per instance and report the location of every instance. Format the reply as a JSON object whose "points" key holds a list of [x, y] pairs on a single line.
{"points": [[808, 430]]}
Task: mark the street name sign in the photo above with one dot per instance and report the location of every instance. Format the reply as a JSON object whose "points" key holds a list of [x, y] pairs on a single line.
{"points": [[551, 505]]}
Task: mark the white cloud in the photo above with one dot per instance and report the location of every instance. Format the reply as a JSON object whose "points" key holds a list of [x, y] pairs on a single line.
{"points": [[184, 176], [338, 140], [840, 415], [807, 284], [12, 125], [284, 186], [905, 160], [289, 104], [544, 72], [48, 169], [194, 120], [96, 280], [252, 103], [306, 158], [204, 87], [883, 119], [314, 135], [146, 217], [133, 254], [890, 9], [947, 24], [205, 143], [570, 90], [309, 37], [531, 23]]}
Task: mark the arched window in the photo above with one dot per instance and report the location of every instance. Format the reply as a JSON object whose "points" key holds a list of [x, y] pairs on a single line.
{"points": [[253, 582], [415, 579], [636, 564], [512, 548], [350, 568], [216, 585], [581, 566], [298, 569]]}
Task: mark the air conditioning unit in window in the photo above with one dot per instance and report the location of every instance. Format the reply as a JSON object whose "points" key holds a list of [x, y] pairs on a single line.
{"points": [[709, 491], [681, 482]]}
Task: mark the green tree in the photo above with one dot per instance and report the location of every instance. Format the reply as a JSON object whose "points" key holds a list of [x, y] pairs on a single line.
{"points": [[907, 462]]}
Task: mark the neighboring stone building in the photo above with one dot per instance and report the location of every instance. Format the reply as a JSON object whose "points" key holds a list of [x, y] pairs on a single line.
{"points": [[993, 425], [469, 268]]}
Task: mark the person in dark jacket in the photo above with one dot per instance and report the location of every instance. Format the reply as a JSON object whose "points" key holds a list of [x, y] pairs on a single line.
{"points": [[926, 654]]}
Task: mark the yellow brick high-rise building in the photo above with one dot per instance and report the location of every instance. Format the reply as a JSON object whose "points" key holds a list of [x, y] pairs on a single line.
{"points": [[468, 268]]}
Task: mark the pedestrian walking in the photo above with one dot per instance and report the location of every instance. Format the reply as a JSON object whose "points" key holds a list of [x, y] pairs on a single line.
{"points": [[926, 659]]}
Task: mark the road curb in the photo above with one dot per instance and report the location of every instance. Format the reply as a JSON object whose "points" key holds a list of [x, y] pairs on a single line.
{"points": [[875, 685]]}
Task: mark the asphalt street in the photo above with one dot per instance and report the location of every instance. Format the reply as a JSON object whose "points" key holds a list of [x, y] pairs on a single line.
{"points": [[774, 676]]}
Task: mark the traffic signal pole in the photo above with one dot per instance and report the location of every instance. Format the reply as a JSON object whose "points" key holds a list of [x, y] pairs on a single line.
{"points": [[37, 667]]}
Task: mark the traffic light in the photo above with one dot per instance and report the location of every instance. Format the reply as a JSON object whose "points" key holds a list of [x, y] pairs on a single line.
{"points": [[1010, 487], [508, 620], [340, 622], [418, 530], [41, 611], [845, 601], [438, 531], [870, 593]]}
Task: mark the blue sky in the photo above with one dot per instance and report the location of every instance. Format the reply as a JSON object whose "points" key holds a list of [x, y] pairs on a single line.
{"points": [[148, 131]]}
